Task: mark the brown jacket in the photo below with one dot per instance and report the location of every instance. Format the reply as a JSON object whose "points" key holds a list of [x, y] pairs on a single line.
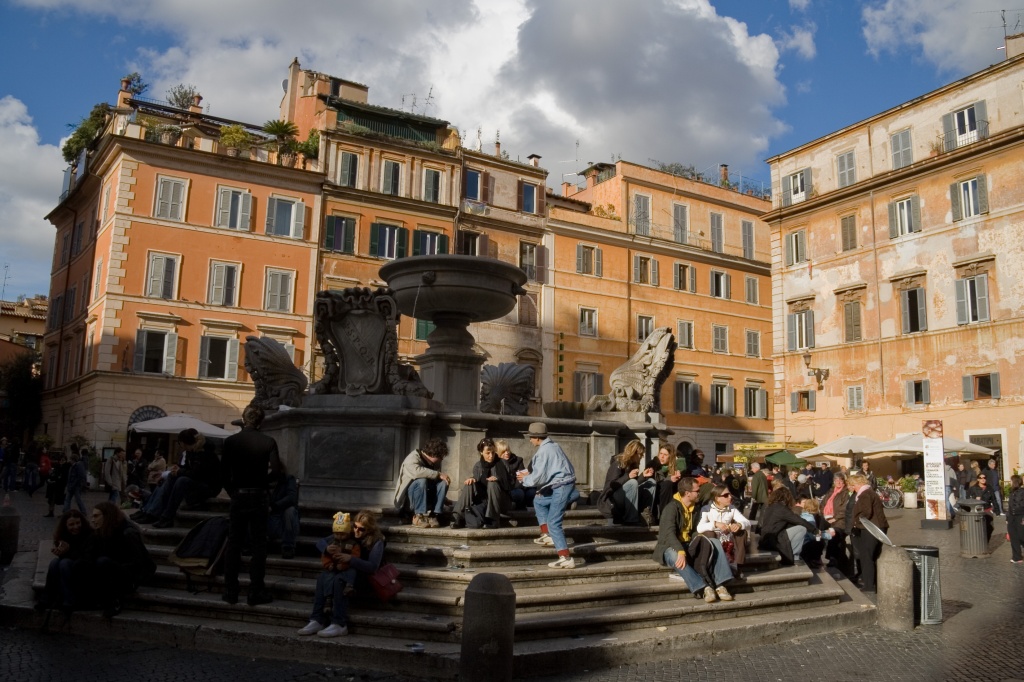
{"points": [[869, 506]]}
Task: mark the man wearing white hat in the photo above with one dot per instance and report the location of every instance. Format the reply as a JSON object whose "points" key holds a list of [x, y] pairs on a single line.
{"points": [[553, 476]]}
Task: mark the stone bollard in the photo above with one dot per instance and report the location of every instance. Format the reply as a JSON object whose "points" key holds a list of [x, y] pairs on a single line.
{"points": [[10, 525], [895, 589], [488, 625]]}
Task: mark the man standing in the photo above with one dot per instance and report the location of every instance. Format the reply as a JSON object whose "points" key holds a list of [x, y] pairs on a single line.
{"points": [[758, 490], [249, 457], [555, 480], [995, 482], [115, 475]]}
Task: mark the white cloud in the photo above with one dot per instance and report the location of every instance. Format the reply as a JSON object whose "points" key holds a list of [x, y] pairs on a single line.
{"points": [[955, 36], [799, 5], [30, 178], [799, 39]]}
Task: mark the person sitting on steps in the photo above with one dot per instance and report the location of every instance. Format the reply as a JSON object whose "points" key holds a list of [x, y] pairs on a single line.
{"points": [[486, 495], [422, 486]]}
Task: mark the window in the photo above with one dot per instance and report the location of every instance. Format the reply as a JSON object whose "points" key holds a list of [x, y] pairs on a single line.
{"points": [[855, 398], [233, 208], [904, 216], [917, 392], [684, 335], [796, 187], [285, 217], [972, 299], [800, 330], [431, 185], [54, 312], [170, 199], [423, 329], [65, 248], [848, 227], [588, 260], [349, 169], [902, 153], [278, 291], [155, 351], [218, 358], [685, 278], [846, 169], [162, 275], [802, 401], [388, 241], [471, 243], [586, 385], [752, 290], [588, 322], [528, 313], [223, 284], [965, 126], [915, 314], [719, 338], [473, 185], [969, 197], [69, 304], [106, 202], [723, 400], [529, 201], [528, 260], [425, 243], [747, 229], [644, 327], [642, 214], [681, 223], [340, 234], [97, 281], [753, 344], [391, 177], [981, 387], [717, 233], [687, 395], [76, 239], [645, 270], [755, 403], [796, 247], [851, 321], [721, 284]]}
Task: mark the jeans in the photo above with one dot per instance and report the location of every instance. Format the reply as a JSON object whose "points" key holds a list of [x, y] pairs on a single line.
{"points": [[31, 478], [427, 492], [797, 536], [58, 584], [182, 487], [551, 508], [115, 497], [284, 526], [632, 497], [10, 476], [997, 508], [247, 520], [523, 497], [332, 584], [75, 494], [721, 573]]}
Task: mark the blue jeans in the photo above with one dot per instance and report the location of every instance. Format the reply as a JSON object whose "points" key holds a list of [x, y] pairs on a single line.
{"points": [[551, 508], [284, 525], [523, 497], [115, 497], [11, 476], [721, 573], [76, 495], [31, 478], [633, 497], [155, 502], [332, 584], [427, 492]]}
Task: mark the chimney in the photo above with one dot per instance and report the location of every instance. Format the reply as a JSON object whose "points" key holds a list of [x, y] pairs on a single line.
{"points": [[196, 108], [723, 174], [124, 95], [566, 186], [534, 159], [497, 148], [1014, 45]]}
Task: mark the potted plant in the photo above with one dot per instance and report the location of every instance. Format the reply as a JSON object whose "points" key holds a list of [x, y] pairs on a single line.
{"points": [[168, 133], [286, 153], [908, 486], [234, 138], [284, 132]]}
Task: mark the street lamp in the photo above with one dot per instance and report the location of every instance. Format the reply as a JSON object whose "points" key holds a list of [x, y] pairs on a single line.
{"points": [[820, 375]]}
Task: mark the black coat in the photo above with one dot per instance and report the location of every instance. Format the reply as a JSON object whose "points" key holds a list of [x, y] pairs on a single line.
{"points": [[614, 479], [775, 519], [248, 456]]}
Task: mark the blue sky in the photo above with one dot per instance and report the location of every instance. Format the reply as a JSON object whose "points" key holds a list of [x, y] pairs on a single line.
{"points": [[690, 81]]}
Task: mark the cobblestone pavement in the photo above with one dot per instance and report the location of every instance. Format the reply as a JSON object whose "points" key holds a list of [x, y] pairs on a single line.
{"points": [[979, 639]]}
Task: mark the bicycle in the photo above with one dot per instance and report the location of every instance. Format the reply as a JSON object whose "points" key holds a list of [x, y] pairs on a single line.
{"points": [[891, 497]]}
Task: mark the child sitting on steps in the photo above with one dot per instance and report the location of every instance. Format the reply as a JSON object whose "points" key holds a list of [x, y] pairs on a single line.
{"points": [[335, 581]]}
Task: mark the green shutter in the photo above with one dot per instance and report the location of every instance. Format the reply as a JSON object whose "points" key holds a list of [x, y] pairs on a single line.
{"points": [[375, 240], [330, 238], [348, 227], [403, 243]]}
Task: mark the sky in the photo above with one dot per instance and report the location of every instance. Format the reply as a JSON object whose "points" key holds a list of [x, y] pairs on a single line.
{"points": [[697, 82]]}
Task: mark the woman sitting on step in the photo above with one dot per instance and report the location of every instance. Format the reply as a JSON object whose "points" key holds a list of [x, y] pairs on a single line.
{"points": [[116, 561], [782, 529], [70, 539], [372, 544], [628, 491], [720, 520], [486, 496]]}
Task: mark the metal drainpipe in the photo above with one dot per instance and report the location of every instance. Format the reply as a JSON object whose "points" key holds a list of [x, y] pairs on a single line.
{"points": [[878, 307]]}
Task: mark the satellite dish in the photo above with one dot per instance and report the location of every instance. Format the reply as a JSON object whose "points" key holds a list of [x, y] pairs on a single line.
{"points": [[284, 85]]}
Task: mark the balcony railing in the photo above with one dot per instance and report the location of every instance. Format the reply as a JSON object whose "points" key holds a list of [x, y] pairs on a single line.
{"points": [[955, 140]]}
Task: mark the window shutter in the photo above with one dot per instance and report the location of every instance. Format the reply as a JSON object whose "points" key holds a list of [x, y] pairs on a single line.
{"points": [[694, 398], [812, 401], [994, 384], [348, 232], [245, 212], [177, 200], [330, 233], [961, 301], [290, 349], [163, 199], [730, 401], [231, 371], [728, 286], [894, 228], [636, 268], [787, 191], [167, 290], [693, 279], [675, 276], [224, 208], [922, 309], [762, 403], [982, 191], [298, 220], [204, 356], [418, 237], [808, 186], [678, 394], [273, 301], [908, 392], [948, 132], [967, 383], [679, 226], [229, 284], [598, 267], [905, 300], [485, 188], [140, 351], [156, 276], [375, 240], [541, 198], [482, 245], [577, 387], [926, 392], [519, 195], [809, 327], [791, 331], [271, 210], [794, 402], [954, 201], [402, 250], [217, 285], [981, 288], [981, 116], [915, 213], [715, 407], [579, 258], [442, 243], [346, 173], [170, 352], [654, 271], [801, 241], [790, 238], [848, 321], [541, 263], [711, 283]]}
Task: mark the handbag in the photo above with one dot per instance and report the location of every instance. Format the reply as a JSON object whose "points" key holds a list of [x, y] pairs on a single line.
{"points": [[385, 582]]}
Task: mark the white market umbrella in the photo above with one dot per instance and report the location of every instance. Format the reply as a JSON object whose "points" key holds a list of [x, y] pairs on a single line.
{"points": [[840, 447], [913, 443], [176, 423]]}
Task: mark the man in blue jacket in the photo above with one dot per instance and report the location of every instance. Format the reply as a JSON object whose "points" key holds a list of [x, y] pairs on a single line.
{"points": [[555, 480]]}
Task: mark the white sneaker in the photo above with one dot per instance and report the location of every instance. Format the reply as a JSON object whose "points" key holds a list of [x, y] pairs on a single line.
{"points": [[723, 593], [312, 627], [709, 595], [544, 541], [333, 630], [563, 562]]}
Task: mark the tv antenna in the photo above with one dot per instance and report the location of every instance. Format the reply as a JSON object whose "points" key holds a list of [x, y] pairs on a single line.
{"points": [[412, 107], [3, 286], [427, 102]]}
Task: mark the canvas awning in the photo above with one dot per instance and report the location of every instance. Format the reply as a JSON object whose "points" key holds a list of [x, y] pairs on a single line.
{"points": [[177, 423]]}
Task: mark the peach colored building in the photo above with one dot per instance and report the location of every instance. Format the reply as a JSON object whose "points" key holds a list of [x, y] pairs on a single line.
{"points": [[24, 321], [896, 256], [168, 254]]}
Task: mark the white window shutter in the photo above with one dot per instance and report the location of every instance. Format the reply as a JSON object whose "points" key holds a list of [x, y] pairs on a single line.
{"points": [[298, 219], [654, 271], [217, 285], [231, 369], [204, 356], [170, 352], [245, 211], [271, 210], [140, 351], [224, 207]]}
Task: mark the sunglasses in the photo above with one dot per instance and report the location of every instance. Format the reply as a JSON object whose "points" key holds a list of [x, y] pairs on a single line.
{"points": [[359, 529], [726, 495]]}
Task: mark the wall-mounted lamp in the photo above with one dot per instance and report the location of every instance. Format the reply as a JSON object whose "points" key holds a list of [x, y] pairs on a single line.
{"points": [[820, 375]]}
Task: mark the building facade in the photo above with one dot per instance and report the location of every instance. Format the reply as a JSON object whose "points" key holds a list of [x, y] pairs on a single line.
{"points": [[24, 321], [896, 258]]}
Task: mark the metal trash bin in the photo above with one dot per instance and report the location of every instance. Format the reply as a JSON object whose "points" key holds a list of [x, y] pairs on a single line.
{"points": [[927, 589], [973, 529]]}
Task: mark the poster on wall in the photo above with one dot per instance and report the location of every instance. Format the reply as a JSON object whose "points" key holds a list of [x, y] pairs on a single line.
{"points": [[934, 472]]}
